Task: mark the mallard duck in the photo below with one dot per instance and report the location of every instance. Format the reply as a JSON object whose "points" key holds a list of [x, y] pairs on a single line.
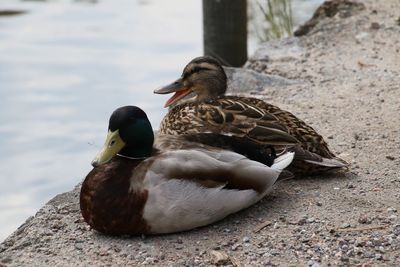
{"points": [[210, 110], [146, 184]]}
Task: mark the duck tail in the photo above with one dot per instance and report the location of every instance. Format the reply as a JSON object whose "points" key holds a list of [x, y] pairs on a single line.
{"points": [[313, 158], [283, 161], [331, 163]]}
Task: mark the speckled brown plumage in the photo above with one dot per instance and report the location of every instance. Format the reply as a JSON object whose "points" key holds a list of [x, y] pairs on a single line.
{"points": [[245, 117]]}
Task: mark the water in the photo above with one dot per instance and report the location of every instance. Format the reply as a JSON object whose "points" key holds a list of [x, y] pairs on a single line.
{"points": [[64, 67]]}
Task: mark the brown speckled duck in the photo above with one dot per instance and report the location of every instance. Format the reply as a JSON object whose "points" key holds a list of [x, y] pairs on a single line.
{"points": [[142, 184], [210, 110]]}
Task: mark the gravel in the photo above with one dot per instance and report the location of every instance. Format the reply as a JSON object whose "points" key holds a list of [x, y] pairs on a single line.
{"points": [[344, 81]]}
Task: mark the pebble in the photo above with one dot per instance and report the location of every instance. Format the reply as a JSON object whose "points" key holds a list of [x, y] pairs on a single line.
{"points": [[391, 209], [312, 263], [179, 246], [389, 157], [246, 239], [364, 219], [301, 221], [345, 225], [6, 260], [350, 186], [78, 246], [368, 254], [375, 26], [310, 220], [234, 247]]}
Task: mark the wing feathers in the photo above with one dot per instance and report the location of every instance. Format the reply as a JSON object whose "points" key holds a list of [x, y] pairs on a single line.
{"points": [[209, 168]]}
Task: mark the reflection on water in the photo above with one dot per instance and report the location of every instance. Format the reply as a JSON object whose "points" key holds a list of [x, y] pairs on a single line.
{"points": [[64, 67]]}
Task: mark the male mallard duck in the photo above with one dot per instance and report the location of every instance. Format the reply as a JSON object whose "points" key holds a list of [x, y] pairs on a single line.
{"points": [[246, 117], [146, 185]]}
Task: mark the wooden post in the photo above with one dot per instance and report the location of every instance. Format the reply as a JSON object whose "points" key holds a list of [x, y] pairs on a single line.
{"points": [[225, 30]]}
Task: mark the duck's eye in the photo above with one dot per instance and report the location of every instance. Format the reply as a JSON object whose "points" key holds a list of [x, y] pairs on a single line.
{"points": [[195, 69], [198, 69], [111, 143]]}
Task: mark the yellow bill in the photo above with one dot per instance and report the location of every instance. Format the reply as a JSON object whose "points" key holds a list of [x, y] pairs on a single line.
{"points": [[112, 146]]}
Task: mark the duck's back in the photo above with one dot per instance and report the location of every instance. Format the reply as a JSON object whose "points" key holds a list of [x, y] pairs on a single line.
{"points": [[252, 118], [308, 137]]}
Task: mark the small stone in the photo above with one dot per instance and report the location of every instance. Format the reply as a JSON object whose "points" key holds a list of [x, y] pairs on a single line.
{"points": [[246, 239], [376, 242], [350, 253], [368, 254], [148, 261], [378, 256], [391, 209], [301, 221], [310, 220], [312, 263], [392, 217], [219, 257], [178, 246], [364, 219], [345, 225], [235, 246], [375, 26], [6, 260], [319, 204]]}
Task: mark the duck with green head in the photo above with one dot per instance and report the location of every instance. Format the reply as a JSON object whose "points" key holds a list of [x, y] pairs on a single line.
{"points": [[210, 110], [146, 184]]}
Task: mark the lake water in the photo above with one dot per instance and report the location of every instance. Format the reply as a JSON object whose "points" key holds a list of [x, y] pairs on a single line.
{"points": [[65, 66]]}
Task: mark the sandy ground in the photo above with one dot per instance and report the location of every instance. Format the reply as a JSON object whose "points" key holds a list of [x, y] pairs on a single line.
{"points": [[344, 81]]}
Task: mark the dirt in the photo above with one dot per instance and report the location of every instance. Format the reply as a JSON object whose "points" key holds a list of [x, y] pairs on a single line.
{"points": [[344, 81]]}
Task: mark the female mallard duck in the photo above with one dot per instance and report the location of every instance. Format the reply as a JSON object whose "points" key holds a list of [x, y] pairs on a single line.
{"points": [[146, 185], [246, 117]]}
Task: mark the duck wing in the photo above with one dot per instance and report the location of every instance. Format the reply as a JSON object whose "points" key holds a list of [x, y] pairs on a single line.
{"points": [[190, 187], [309, 139], [227, 117]]}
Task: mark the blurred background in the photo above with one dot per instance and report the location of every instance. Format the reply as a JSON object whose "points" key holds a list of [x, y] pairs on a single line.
{"points": [[65, 65]]}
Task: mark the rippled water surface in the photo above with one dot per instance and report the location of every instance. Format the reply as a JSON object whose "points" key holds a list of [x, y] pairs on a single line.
{"points": [[64, 67]]}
